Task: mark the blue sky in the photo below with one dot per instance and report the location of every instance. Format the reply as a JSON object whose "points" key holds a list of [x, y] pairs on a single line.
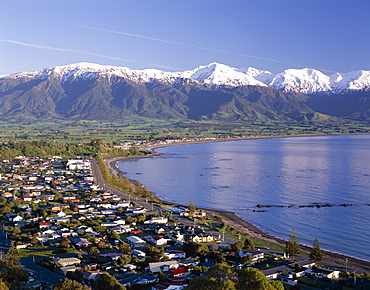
{"points": [[176, 35]]}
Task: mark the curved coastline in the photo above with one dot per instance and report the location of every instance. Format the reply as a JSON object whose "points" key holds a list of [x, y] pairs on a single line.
{"points": [[332, 259]]}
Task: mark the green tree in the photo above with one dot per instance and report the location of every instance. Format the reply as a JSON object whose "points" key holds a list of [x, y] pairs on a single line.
{"points": [[34, 241], [12, 256], [94, 251], [6, 209], [124, 248], [237, 246], [253, 279], [292, 246], [316, 253], [248, 243], [124, 260], [65, 243], [67, 284], [108, 282], [191, 208]]}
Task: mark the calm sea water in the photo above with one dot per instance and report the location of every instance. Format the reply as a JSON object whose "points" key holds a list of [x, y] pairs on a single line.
{"points": [[238, 175]]}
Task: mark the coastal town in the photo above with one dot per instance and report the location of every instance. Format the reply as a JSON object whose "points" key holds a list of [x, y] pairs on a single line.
{"points": [[61, 221]]}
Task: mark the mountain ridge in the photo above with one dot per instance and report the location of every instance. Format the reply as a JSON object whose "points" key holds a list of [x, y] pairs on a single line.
{"points": [[211, 92], [306, 80]]}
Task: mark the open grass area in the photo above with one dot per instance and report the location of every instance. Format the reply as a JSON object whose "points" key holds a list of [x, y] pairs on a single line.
{"points": [[140, 128], [37, 251]]}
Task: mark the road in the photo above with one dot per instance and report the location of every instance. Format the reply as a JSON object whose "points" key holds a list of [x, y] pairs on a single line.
{"points": [[43, 274]]}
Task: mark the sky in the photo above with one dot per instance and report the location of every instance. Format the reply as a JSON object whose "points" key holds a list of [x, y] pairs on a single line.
{"points": [[176, 35]]}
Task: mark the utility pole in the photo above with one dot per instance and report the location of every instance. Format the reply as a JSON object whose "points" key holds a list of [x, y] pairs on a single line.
{"points": [[346, 264]]}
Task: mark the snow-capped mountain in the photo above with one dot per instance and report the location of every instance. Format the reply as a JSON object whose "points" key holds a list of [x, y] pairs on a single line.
{"points": [[208, 92], [306, 81], [220, 74]]}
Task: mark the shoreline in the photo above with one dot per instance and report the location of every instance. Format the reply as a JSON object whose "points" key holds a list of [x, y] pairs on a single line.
{"points": [[332, 259]]}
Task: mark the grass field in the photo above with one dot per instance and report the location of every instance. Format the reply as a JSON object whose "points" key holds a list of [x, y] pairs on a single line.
{"points": [[139, 128]]}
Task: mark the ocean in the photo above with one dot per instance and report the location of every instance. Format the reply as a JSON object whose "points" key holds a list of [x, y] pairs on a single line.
{"points": [[318, 186]]}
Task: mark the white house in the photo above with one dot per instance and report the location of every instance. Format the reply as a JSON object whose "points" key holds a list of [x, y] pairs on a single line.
{"points": [[257, 255], [163, 266], [157, 220], [136, 242], [78, 164]]}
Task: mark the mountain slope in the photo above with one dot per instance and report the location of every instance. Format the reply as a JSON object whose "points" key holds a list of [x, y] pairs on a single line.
{"points": [[212, 92]]}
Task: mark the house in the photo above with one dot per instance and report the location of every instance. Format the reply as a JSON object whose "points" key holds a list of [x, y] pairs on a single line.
{"points": [[111, 256], [169, 286], [70, 268], [175, 254], [142, 279], [257, 255], [14, 217], [81, 242], [78, 164], [163, 266], [138, 253], [179, 272], [90, 276], [136, 242], [122, 203], [43, 225], [157, 220], [287, 279], [27, 198], [202, 238], [157, 240], [67, 261], [318, 272]]}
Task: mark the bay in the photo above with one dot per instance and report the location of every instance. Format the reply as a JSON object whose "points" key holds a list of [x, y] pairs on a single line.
{"points": [[296, 172]]}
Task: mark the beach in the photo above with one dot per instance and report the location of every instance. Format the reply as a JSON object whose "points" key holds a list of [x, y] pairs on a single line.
{"points": [[334, 260]]}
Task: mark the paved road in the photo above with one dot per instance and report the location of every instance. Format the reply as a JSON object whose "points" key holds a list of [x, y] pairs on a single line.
{"points": [[43, 274]]}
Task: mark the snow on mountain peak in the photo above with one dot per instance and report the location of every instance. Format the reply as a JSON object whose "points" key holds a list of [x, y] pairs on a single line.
{"points": [[351, 81], [307, 80], [220, 74]]}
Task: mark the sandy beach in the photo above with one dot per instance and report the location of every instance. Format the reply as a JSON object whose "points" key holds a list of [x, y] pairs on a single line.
{"points": [[331, 259]]}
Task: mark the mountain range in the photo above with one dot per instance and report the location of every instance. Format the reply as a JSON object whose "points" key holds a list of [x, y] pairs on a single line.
{"points": [[210, 92]]}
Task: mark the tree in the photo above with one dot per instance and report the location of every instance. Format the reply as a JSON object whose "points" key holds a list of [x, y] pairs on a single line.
{"points": [[34, 241], [124, 260], [67, 284], [253, 279], [12, 256], [316, 253], [237, 246], [65, 243], [5, 210], [248, 243], [94, 251], [124, 248], [292, 246], [107, 281], [217, 278], [191, 208]]}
